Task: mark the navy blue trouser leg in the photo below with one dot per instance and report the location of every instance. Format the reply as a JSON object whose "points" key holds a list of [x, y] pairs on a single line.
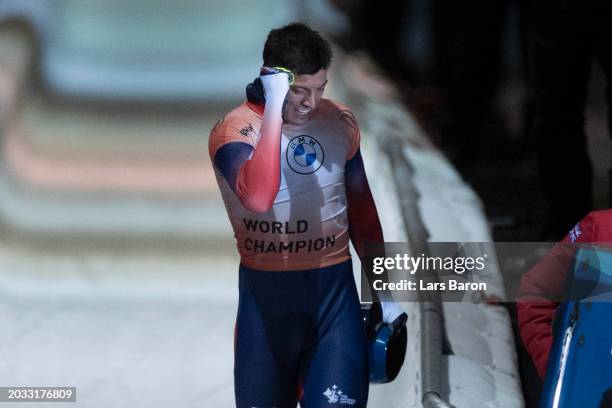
{"points": [[299, 337]]}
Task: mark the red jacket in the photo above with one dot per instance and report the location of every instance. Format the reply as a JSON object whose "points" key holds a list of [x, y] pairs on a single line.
{"points": [[547, 279]]}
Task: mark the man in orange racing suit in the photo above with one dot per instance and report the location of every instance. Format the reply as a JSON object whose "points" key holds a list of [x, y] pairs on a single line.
{"points": [[292, 178]]}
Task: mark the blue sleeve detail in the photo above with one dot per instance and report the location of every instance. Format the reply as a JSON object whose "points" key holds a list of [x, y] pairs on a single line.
{"points": [[229, 158], [355, 175], [364, 225]]}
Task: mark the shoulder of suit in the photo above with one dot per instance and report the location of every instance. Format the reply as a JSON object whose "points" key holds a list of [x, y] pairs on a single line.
{"points": [[600, 224], [241, 119], [601, 215], [339, 111], [596, 226]]}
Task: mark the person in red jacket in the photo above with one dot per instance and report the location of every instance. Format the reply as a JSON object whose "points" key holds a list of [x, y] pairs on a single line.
{"points": [[547, 280]]}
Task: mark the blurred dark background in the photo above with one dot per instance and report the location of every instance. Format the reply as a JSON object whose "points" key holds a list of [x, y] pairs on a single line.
{"points": [[467, 70]]}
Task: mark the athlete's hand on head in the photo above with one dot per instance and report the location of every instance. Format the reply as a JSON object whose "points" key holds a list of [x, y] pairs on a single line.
{"points": [[276, 82], [392, 314]]}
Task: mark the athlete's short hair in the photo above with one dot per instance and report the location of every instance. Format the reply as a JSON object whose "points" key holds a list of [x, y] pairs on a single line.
{"points": [[297, 47]]}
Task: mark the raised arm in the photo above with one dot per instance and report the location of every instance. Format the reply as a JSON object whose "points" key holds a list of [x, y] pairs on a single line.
{"points": [[254, 173]]}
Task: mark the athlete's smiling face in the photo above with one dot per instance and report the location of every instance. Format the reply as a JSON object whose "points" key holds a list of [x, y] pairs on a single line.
{"points": [[304, 97]]}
